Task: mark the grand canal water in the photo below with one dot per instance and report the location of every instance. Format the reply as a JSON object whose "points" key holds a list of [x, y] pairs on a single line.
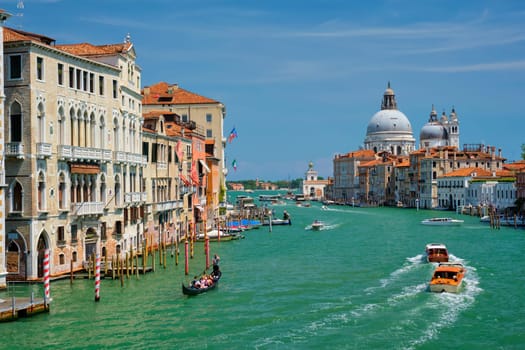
{"points": [[361, 283]]}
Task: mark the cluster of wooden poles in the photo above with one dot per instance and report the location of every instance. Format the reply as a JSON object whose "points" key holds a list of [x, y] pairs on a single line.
{"points": [[129, 264]]}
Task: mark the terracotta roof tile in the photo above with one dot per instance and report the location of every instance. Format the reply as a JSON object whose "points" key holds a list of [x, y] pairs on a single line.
{"points": [[86, 49], [11, 35], [468, 172], [163, 93]]}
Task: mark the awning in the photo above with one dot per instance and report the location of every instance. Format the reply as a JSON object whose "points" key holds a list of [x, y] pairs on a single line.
{"points": [[203, 163], [185, 180], [85, 169], [199, 207]]}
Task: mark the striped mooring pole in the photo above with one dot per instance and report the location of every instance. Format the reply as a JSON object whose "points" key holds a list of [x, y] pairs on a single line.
{"points": [[46, 277], [97, 278]]}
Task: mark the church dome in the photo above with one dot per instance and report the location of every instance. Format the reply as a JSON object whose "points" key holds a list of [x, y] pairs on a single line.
{"points": [[389, 120], [433, 131], [389, 129]]}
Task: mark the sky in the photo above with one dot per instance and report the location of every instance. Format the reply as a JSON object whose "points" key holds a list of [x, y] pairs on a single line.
{"points": [[301, 79]]}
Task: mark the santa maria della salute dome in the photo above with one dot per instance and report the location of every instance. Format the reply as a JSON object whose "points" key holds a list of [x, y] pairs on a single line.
{"points": [[389, 129]]}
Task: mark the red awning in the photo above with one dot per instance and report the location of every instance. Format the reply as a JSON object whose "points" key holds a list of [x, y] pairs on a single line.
{"points": [[185, 180], [85, 169]]}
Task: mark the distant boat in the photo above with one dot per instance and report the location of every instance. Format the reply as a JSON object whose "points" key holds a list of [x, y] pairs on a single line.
{"points": [[223, 235], [317, 225], [442, 222], [269, 197], [266, 222], [436, 252]]}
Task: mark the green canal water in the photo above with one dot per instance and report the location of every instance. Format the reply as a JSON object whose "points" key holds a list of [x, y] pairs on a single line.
{"points": [[361, 283]]}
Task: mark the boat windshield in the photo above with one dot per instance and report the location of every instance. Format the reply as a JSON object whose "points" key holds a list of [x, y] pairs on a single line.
{"points": [[445, 274]]}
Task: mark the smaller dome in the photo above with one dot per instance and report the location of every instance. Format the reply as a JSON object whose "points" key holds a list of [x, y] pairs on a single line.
{"points": [[433, 131], [444, 118]]}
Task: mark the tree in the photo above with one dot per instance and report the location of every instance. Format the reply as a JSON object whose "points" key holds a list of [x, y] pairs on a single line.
{"points": [[523, 151]]}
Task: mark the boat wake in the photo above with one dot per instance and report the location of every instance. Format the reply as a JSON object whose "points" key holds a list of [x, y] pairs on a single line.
{"points": [[411, 264], [325, 227], [400, 305]]}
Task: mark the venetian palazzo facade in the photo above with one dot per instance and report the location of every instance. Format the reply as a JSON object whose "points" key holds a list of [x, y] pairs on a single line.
{"points": [[74, 162], [208, 115]]}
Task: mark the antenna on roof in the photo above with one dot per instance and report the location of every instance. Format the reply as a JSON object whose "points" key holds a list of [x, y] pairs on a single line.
{"points": [[20, 7]]}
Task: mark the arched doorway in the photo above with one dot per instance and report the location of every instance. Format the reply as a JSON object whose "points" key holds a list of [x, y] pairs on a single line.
{"points": [[91, 243], [41, 249]]}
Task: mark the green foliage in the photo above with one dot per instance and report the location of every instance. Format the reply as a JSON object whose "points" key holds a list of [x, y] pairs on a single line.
{"points": [[523, 151]]}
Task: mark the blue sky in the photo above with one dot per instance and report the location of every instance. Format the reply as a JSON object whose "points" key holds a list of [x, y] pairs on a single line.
{"points": [[301, 79]]}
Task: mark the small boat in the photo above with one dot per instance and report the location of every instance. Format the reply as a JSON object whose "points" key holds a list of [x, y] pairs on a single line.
{"points": [[222, 235], [266, 222], [196, 287], [442, 222], [447, 277], [317, 225], [436, 252]]}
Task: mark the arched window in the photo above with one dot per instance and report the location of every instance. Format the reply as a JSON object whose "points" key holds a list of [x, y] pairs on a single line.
{"points": [[41, 191], [84, 136], [17, 197], [61, 126], [62, 197], [117, 190], [79, 126], [116, 138], [41, 124], [103, 189], [72, 128], [85, 189], [102, 131], [92, 130], [93, 188], [15, 122]]}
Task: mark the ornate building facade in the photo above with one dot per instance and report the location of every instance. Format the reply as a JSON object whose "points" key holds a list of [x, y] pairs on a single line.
{"points": [[314, 188], [74, 163]]}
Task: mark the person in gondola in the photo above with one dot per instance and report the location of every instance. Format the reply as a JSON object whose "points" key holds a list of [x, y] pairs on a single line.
{"points": [[216, 260], [216, 273]]}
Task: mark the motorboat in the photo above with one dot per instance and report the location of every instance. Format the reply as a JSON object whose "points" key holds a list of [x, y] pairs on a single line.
{"points": [[266, 222], [447, 277], [317, 225], [442, 222], [436, 252]]}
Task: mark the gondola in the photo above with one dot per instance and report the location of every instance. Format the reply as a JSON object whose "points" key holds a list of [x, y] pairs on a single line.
{"points": [[192, 290]]}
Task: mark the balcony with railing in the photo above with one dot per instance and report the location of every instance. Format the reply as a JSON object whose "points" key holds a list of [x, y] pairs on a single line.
{"points": [[14, 149], [66, 152], [87, 208], [129, 158], [43, 150], [135, 197], [168, 205]]}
